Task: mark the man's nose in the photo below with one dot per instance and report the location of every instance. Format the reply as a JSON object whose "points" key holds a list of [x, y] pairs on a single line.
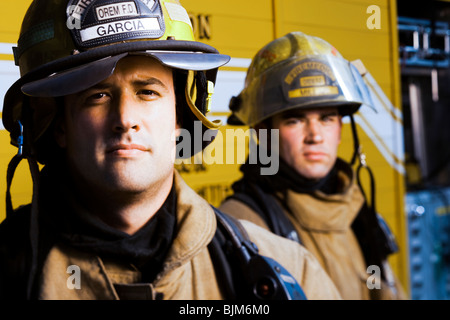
{"points": [[125, 115], [313, 132]]}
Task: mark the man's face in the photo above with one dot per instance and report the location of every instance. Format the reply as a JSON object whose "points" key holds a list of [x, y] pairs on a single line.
{"points": [[309, 139], [119, 134]]}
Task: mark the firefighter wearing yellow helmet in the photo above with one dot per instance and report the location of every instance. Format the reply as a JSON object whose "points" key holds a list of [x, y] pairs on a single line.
{"points": [[301, 86], [106, 87]]}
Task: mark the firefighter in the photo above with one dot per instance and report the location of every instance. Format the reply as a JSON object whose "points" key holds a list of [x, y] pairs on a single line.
{"points": [[105, 88], [301, 86]]}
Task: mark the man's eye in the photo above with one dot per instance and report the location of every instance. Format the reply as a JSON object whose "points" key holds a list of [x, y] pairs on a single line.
{"points": [[148, 92], [291, 121], [294, 120], [96, 97], [329, 118]]}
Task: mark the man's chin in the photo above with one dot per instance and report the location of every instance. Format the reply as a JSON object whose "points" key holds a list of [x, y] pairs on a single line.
{"points": [[315, 172]]}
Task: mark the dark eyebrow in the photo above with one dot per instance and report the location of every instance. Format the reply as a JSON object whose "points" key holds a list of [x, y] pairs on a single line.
{"points": [[99, 86], [292, 114], [144, 82], [150, 81], [299, 113], [331, 113]]}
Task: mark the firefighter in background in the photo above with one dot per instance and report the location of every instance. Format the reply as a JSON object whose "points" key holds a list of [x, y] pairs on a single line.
{"points": [[99, 103], [302, 86]]}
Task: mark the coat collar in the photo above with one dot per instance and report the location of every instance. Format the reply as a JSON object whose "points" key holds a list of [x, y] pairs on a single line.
{"points": [[322, 212], [196, 225]]}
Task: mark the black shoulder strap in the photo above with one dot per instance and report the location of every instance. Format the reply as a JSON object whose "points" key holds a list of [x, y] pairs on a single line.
{"points": [[242, 271], [267, 207]]}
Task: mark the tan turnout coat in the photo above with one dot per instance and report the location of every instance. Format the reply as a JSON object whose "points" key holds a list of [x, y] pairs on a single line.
{"points": [[188, 272], [323, 223]]}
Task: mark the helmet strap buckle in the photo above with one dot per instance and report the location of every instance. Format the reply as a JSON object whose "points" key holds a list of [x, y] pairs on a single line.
{"points": [[210, 92], [20, 140], [190, 89], [362, 157]]}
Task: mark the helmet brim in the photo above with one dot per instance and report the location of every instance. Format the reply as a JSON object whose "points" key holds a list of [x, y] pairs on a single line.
{"points": [[82, 77], [70, 65], [314, 81]]}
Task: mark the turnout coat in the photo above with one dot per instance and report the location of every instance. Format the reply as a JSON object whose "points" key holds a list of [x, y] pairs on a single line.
{"points": [[187, 272], [323, 223]]}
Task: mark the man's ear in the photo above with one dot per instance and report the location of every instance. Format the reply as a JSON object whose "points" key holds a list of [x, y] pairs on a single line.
{"points": [[177, 129], [178, 120], [340, 129], [262, 125], [59, 132]]}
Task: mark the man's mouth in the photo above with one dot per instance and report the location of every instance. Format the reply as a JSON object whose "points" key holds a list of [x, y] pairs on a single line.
{"points": [[123, 149]]}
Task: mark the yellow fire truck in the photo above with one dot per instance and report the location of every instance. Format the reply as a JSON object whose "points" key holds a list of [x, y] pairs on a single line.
{"points": [[365, 30]]}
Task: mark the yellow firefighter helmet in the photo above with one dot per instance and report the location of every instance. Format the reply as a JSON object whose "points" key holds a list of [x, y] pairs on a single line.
{"points": [[68, 46], [297, 71]]}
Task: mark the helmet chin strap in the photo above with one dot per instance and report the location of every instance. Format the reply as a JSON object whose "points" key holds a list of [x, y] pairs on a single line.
{"points": [[357, 153], [191, 97], [24, 153]]}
